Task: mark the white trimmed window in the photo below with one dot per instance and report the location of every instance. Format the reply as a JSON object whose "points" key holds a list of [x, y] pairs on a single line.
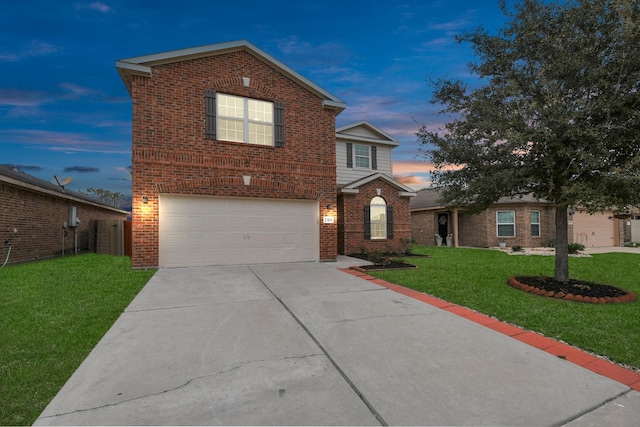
{"points": [[535, 223], [506, 223], [244, 120], [378, 215], [361, 156], [239, 119]]}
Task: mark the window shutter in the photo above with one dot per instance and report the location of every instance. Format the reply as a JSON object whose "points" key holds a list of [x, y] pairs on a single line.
{"points": [[389, 222], [349, 155], [374, 157], [367, 222], [278, 123], [210, 114]]}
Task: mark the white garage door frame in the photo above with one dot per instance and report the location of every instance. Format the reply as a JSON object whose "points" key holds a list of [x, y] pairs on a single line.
{"points": [[205, 230]]}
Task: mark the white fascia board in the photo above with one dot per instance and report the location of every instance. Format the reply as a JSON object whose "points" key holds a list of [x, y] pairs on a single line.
{"points": [[134, 68], [388, 179], [330, 101], [334, 105], [188, 53], [388, 139], [343, 137], [407, 194], [349, 191]]}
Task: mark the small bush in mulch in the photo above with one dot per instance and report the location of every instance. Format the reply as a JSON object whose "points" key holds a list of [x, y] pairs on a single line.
{"points": [[573, 290]]}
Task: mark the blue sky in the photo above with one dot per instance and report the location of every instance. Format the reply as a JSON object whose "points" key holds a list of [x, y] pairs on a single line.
{"points": [[64, 110]]}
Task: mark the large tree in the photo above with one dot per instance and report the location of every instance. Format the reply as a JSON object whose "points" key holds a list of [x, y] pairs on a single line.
{"points": [[556, 112], [106, 196]]}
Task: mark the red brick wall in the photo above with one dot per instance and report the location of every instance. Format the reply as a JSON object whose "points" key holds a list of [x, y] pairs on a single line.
{"points": [[523, 226], [479, 230], [423, 227], [172, 155], [351, 219], [473, 229], [33, 222]]}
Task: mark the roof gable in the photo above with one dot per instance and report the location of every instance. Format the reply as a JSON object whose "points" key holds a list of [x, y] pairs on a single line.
{"points": [[364, 131], [143, 65], [354, 185]]}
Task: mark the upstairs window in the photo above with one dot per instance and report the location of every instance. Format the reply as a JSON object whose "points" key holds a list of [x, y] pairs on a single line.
{"points": [[362, 156], [238, 119], [245, 120], [506, 223]]}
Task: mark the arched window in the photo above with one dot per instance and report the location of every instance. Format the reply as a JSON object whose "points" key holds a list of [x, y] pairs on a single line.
{"points": [[378, 218]]}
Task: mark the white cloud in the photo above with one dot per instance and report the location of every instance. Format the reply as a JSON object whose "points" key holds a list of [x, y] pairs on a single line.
{"points": [[34, 48], [99, 6], [455, 24], [68, 142], [414, 182], [22, 98], [77, 91]]}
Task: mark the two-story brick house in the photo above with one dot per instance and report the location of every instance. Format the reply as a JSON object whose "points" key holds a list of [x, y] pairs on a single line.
{"points": [[234, 160]]}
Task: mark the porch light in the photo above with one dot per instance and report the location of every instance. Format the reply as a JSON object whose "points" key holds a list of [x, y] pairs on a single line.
{"points": [[145, 200]]}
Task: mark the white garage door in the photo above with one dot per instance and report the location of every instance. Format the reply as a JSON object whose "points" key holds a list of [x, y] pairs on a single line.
{"points": [[201, 231], [595, 230]]}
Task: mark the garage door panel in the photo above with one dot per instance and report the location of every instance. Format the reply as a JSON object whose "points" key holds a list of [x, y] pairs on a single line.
{"points": [[594, 230], [200, 231]]}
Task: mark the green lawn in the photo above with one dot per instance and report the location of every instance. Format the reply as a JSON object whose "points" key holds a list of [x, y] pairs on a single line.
{"points": [[477, 279], [52, 313]]}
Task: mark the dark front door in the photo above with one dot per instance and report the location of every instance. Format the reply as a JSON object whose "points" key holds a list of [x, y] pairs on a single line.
{"points": [[443, 225]]}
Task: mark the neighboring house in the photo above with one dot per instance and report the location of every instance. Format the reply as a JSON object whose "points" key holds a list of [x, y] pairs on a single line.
{"points": [[234, 162], [38, 219], [525, 222]]}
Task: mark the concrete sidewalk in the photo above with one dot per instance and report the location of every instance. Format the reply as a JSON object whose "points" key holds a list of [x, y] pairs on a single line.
{"points": [[306, 344]]}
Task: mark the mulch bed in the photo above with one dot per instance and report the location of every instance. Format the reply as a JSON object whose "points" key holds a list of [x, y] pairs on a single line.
{"points": [[573, 290], [389, 264]]}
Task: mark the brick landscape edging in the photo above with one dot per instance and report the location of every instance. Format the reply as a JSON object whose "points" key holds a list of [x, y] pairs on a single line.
{"points": [[629, 297], [571, 354]]}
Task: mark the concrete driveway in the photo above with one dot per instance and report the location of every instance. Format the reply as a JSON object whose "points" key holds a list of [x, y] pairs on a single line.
{"points": [[307, 344]]}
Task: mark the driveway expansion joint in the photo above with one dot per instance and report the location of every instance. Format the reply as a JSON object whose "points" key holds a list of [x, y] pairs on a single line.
{"points": [[342, 373], [594, 408]]}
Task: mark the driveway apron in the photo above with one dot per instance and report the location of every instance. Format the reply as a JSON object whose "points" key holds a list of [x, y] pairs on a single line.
{"points": [[306, 344]]}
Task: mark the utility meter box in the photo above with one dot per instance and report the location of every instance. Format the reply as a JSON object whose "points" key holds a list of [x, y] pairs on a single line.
{"points": [[73, 217]]}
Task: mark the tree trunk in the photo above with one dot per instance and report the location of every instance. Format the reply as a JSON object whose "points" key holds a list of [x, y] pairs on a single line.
{"points": [[562, 245]]}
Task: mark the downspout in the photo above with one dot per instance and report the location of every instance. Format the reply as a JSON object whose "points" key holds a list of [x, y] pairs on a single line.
{"points": [[454, 226]]}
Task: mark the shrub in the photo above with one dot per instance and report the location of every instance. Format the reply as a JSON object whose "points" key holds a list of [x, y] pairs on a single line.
{"points": [[574, 248], [517, 248]]}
